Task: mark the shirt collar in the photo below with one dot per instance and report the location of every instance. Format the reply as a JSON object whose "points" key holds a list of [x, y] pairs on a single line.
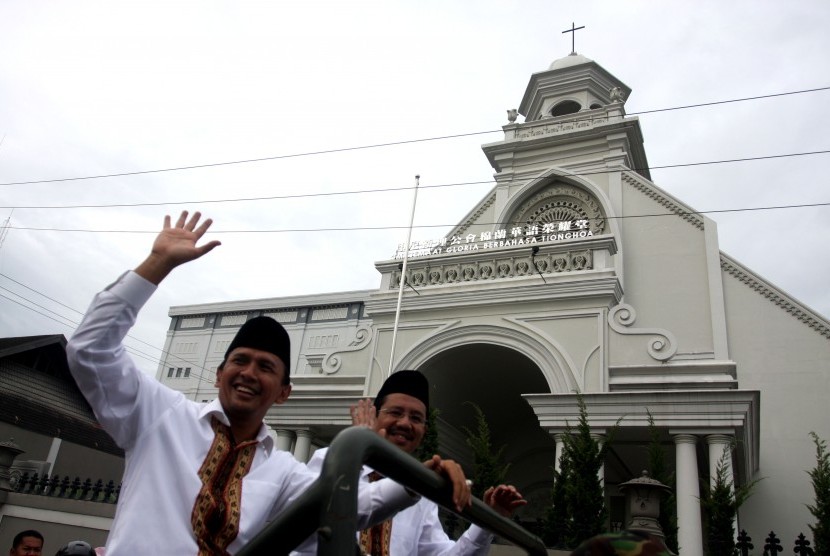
{"points": [[214, 409]]}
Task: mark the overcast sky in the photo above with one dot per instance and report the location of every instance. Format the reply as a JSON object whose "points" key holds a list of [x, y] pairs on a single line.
{"points": [[100, 88]]}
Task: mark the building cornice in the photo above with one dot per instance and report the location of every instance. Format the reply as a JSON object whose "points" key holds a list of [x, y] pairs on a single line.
{"points": [[661, 197], [271, 303], [774, 295], [696, 412]]}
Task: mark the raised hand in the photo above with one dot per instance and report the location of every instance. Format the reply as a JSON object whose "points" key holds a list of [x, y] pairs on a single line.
{"points": [[364, 414], [176, 245], [505, 499]]}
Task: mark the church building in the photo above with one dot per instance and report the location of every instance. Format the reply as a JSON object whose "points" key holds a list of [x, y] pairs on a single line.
{"points": [[575, 273]]}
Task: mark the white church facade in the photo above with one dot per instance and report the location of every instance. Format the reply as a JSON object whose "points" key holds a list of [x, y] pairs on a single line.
{"points": [[551, 285]]}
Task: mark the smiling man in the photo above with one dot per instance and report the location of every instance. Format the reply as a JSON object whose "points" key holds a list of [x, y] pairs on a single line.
{"points": [[399, 414], [199, 478]]}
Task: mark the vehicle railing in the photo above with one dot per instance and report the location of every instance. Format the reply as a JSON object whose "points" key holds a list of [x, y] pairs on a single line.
{"points": [[329, 506]]}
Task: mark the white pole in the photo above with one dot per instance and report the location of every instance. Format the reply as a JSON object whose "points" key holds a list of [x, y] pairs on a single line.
{"points": [[403, 276]]}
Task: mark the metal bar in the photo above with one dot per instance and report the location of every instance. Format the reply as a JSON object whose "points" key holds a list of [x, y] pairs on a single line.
{"points": [[329, 507]]}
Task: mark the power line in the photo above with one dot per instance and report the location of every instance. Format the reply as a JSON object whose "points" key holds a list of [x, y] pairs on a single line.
{"points": [[198, 371], [9, 278], [69, 322], [249, 199], [130, 349], [402, 227], [251, 160], [406, 188], [727, 101], [376, 145], [74, 324]]}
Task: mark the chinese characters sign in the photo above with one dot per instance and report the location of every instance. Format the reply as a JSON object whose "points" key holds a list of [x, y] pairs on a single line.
{"points": [[517, 235]]}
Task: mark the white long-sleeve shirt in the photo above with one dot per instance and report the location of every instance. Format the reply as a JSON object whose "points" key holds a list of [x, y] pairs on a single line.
{"points": [[166, 437], [416, 531]]}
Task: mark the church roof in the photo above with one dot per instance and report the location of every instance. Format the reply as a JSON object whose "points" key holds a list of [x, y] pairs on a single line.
{"points": [[38, 394], [572, 59]]}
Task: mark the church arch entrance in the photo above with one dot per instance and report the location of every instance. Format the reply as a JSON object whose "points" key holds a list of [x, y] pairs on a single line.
{"points": [[493, 377]]}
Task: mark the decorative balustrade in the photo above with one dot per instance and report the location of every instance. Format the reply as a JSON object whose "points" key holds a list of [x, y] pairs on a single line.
{"points": [[66, 488], [495, 268]]}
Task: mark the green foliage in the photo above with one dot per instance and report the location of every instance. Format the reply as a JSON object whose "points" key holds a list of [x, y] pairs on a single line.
{"points": [[578, 509], [720, 505], [658, 470], [820, 478], [584, 495], [488, 469], [429, 445], [555, 523], [720, 510]]}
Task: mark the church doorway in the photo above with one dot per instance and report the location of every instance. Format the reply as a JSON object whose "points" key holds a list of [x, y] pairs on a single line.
{"points": [[494, 378]]}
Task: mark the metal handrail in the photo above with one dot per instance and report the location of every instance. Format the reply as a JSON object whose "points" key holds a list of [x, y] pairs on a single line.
{"points": [[329, 506]]}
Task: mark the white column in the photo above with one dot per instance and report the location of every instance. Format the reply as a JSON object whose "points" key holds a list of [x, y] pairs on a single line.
{"points": [[600, 438], [53, 454], [690, 529], [302, 448], [560, 446], [285, 438], [720, 446]]}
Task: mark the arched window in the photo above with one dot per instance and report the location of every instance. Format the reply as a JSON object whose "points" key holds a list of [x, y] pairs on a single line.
{"points": [[565, 107]]}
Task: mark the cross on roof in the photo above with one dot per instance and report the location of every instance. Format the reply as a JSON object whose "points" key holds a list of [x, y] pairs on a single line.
{"points": [[573, 36]]}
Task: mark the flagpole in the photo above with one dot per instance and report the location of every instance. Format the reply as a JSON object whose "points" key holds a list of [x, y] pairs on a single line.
{"points": [[403, 276]]}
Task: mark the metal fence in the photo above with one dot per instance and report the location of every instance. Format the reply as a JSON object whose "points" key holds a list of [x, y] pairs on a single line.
{"points": [[772, 545]]}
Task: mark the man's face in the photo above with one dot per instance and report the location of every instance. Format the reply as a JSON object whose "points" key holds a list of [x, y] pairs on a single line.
{"points": [[250, 382], [404, 419], [28, 546]]}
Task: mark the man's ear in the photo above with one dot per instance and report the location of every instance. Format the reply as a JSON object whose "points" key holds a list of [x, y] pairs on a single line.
{"points": [[285, 391], [218, 374]]}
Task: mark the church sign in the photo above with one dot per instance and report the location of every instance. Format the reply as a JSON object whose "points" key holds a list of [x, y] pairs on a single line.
{"points": [[517, 235]]}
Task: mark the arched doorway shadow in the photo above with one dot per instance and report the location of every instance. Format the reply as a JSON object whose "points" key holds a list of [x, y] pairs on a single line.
{"points": [[494, 377]]}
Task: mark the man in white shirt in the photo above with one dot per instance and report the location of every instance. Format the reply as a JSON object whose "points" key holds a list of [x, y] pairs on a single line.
{"points": [[399, 414], [199, 478]]}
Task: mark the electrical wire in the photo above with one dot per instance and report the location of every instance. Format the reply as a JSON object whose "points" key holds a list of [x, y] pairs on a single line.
{"points": [[252, 160], [402, 227], [198, 374], [130, 349], [727, 101], [74, 324], [376, 145], [409, 188]]}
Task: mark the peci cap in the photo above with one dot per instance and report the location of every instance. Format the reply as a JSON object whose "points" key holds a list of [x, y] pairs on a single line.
{"points": [[411, 383], [264, 334]]}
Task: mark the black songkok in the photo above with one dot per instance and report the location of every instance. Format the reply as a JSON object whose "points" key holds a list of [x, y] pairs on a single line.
{"points": [[411, 383], [264, 334]]}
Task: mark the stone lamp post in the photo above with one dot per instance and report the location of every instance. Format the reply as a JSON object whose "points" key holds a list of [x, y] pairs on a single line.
{"points": [[643, 495], [8, 451]]}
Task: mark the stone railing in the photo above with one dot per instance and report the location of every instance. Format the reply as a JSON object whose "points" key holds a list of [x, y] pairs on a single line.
{"points": [[482, 265], [496, 267], [55, 487]]}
